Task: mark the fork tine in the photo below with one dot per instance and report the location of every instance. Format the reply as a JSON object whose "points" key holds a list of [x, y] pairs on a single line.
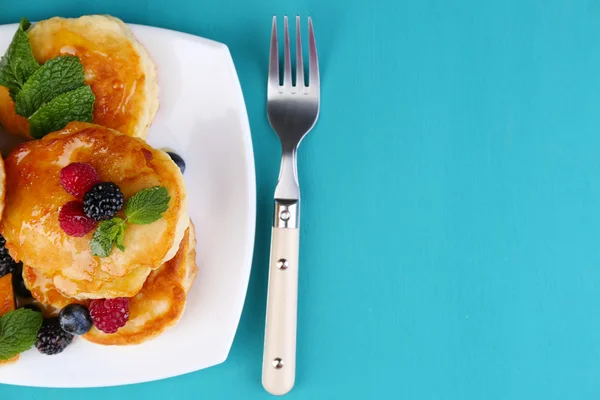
{"points": [[312, 56], [287, 60], [274, 57], [299, 62]]}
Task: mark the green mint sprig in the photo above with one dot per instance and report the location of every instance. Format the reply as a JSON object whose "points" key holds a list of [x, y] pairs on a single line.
{"points": [[147, 205], [18, 331], [107, 235], [144, 207], [49, 96], [18, 63], [76, 105], [59, 75]]}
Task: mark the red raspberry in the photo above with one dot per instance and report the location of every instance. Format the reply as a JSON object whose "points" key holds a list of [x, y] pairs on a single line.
{"points": [[78, 178], [110, 314], [73, 221]]}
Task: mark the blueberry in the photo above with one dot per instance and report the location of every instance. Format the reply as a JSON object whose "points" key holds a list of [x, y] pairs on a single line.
{"points": [[75, 319], [18, 284], [177, 160]]}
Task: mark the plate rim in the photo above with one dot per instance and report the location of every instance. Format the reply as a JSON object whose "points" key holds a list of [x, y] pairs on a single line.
{"points": [[250, 164]]}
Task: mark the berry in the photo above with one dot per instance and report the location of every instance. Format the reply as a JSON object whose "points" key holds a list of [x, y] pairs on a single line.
{"points": [[19, 284], [103, 201], [78, 178], [177, 160], [7, 264], [110, 314], [73, 221], [51, 339], [75, 319]]}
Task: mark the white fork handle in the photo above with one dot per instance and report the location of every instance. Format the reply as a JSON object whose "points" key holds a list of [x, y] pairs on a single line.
{"points": [[279, 360]]}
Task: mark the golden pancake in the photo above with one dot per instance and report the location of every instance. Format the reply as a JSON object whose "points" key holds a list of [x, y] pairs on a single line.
{"points": [[117, 67], [43, 290], [34, 196], [156, 307], [160, 303], [10, 122]]}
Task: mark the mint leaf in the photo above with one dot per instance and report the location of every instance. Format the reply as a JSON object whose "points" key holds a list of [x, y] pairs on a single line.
{"points": [[101, 245], [107, 233], [18, 63], [144, 207], [76, 105], [120, 239], [59, 75], [148, 205], [18, 331]]}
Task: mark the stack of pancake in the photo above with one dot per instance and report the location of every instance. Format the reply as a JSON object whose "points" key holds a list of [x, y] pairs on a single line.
{"points": [[158, 266]]}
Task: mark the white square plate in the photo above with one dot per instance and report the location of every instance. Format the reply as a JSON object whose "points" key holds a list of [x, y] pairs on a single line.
{"points": [[203, 118]]}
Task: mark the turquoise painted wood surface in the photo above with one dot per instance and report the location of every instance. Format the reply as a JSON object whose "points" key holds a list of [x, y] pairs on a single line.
{"points": [[451, 189]]}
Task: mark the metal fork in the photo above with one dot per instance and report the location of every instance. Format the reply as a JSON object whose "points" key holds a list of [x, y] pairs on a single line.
{"points": [[293, 111]]}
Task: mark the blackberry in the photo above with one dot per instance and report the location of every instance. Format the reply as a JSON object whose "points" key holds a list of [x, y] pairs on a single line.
{"points": [[51, 339], [103, 201], [7, 264]]}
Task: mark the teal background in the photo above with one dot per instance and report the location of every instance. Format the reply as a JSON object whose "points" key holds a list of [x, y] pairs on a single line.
{"points": [[450, 231]]}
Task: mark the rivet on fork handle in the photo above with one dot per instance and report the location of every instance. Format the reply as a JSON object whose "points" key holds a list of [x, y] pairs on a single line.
{"points": [[286, 214]]}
